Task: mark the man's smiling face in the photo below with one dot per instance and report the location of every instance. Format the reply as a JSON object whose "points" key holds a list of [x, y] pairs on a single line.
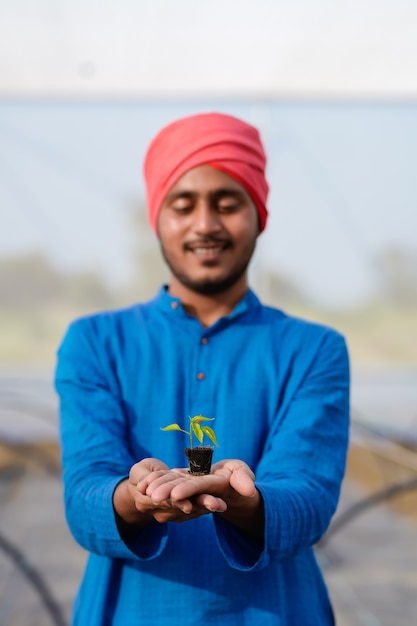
{"points": [[207, 227]]}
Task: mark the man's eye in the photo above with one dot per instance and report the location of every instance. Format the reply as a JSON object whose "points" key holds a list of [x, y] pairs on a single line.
{"points": [[181, 206], [228, 207]]}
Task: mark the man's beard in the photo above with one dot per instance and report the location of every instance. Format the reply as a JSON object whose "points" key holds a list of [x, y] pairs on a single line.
{"points": [[207, 286]]}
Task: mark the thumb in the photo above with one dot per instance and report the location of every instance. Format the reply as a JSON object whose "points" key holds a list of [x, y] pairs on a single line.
{"points": [[242, 479], [145, 467]]}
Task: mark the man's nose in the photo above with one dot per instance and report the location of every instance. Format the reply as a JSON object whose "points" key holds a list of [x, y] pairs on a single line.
{"points": [[206, 218]]}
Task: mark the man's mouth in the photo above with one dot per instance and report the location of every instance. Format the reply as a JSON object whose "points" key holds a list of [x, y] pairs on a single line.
{"points": [[205, 250]]}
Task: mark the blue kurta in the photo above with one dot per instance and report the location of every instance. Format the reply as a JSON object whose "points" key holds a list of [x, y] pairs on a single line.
{"points": [[279, 390]]}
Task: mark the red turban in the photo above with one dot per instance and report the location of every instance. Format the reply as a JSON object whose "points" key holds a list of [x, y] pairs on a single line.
{"points": [[214, 139]]}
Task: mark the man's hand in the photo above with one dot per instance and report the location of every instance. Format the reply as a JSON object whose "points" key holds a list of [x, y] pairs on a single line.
{"points": [[229, 489], [135, 507], [153, 491]]}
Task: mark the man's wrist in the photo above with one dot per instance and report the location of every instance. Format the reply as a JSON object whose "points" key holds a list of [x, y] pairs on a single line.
{"points": [[126, 513], [249, 519]]}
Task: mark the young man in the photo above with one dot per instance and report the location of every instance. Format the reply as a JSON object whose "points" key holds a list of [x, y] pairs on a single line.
{"points": [[233, 547]]}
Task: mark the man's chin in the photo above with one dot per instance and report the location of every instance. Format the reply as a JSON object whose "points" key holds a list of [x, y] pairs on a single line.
{"points": [[209, 286]]}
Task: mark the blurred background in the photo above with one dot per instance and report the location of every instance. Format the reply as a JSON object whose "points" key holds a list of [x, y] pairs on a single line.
{"points": [[332, 87]]}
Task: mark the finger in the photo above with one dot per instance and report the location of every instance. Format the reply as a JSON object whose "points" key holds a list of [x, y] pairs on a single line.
{"points": [[232, 465], [153, 464], [243, 483], [186, 506], [145, 467], [155, 479], [214, 484], [145, 504], [158, 478], [211, 503], [149, 478], [161, 489], [241, 477]]}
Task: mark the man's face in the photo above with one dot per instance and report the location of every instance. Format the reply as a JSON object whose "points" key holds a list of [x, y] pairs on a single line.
{"points": [[207, 226]]}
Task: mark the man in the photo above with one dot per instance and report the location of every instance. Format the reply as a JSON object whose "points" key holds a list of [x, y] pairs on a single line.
{"points": [[233, 547]]}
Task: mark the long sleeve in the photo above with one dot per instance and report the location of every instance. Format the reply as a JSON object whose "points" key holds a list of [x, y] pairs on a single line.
{"points": [[302, 466], [95, 450]]}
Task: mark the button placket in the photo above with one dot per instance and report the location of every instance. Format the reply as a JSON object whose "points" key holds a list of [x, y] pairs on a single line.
{"points": [[201, 374]]}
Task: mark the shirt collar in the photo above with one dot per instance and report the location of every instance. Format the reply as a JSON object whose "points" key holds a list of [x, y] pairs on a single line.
{"points": [[166, 302]]}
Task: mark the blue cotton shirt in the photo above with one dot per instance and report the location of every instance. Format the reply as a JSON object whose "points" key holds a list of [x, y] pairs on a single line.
{"points": [[279, 390]]}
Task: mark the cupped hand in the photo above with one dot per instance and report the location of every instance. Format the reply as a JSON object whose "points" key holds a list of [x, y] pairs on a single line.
{"points": [[135, 505], [153, 491], [228, 481]]}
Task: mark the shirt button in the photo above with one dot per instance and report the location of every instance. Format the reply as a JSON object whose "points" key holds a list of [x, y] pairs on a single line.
{"points": [[174, 305], [204, 340], [201, 376]]}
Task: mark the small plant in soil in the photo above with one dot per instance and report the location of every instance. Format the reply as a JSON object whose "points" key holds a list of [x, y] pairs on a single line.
{"points": [[199, 457]]}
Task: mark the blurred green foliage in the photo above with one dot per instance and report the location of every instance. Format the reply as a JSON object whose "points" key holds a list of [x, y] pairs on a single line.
{"points": [[38, 301]]}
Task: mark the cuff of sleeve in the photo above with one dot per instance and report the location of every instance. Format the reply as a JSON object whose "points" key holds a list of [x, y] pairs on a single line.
{"points": [[239, 552], [147, 544], [242, 554]]}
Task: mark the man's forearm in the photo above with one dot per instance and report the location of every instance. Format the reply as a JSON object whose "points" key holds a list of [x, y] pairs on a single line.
{"points": [[248, 519]]}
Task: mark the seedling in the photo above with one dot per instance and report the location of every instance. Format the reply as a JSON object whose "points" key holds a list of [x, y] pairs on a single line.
{"points": [[196, 430], [199, 457]]}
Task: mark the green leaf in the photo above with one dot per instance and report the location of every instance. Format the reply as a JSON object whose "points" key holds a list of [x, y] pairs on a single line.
{"points": [[210, 434], [197, 431], [200, 418], [175, 427]]}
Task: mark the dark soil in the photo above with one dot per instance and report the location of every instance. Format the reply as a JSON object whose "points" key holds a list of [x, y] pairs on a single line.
{"points": [[199, 459]]}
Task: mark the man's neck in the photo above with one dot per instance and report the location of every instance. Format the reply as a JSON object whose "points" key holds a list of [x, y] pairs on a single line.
{"points": [[208, 308]]}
